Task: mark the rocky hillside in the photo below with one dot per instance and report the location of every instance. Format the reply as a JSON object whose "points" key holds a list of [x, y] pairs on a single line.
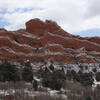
{"points": [[46, 40]]}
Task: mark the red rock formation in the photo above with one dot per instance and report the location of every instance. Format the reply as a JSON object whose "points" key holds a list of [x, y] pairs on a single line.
{"points": [[46, 40]]}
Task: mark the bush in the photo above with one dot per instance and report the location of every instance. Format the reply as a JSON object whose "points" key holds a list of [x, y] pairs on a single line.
{"points": [[16, 39]]}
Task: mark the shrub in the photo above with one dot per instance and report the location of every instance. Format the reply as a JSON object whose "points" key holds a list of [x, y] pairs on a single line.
{"points": [[16, 39]]}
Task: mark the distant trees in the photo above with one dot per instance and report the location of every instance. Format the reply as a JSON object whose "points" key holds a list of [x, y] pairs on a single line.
{"points": [[55, 79], [71, 75], [83, 78], [11, 72], [51, 77], [8, 72]]}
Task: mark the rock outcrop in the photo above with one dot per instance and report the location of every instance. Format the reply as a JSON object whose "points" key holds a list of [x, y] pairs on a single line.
{"points": [[46, 40]]}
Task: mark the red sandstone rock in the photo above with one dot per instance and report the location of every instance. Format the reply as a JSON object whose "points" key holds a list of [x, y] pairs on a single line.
{"points": [[46, 40]]}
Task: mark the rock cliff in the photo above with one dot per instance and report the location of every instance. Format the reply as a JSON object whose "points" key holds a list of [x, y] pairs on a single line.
{"points": [[47, 40]]}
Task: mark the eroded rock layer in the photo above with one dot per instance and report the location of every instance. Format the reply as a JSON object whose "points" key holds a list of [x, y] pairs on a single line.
{"points": [[46, 40]]}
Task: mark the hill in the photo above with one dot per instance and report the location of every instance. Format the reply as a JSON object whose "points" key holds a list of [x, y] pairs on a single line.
{"points": [[47, 40]]}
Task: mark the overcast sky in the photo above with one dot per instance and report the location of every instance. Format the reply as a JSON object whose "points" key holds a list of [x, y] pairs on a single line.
{"points": [[72, 15]]}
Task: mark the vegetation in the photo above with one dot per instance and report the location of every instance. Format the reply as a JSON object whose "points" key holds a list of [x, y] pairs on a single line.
{"points": [[11, 72], [27, 72], [8, 72], [80, 92], [74, 91], [51, 78], [98, 76], [76, 84], [83, 78], [15, 38], [35, 84]]}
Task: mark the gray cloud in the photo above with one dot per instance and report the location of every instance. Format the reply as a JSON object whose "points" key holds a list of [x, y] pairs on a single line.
{"points": [[72, 15], [93, 8]]}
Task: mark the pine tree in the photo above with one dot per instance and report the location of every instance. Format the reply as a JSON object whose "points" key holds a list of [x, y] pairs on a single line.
{"points": [[98, 76], [86, 78], [27, 72], [8, 72]]}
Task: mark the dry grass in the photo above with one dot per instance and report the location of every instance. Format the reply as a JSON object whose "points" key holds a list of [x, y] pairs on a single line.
{"points": [[22, 91], [75, 91]]}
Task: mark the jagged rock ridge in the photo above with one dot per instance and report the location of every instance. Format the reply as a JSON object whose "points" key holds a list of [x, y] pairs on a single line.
{"points": [[46, 40]]}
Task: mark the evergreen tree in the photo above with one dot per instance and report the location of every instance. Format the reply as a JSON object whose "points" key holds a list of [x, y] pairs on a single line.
{"points": [[86, 78], [28, 64], [69, 75], [8, 72], [98, 76], [27, 73], [83, 78], [53, 80]]}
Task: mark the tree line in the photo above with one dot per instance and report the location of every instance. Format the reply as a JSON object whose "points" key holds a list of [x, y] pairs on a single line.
{"points": [[11, 72], [51, 77]]}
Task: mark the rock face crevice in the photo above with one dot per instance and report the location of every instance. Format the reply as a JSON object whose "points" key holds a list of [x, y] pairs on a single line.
{"points": [[47, 40]]}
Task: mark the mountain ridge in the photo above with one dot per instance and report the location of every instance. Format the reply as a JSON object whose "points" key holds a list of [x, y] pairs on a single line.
{"points": [[47, 40]]}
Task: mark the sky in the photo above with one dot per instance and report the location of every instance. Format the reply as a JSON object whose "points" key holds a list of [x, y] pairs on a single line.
{"points": [[75, 16]]}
